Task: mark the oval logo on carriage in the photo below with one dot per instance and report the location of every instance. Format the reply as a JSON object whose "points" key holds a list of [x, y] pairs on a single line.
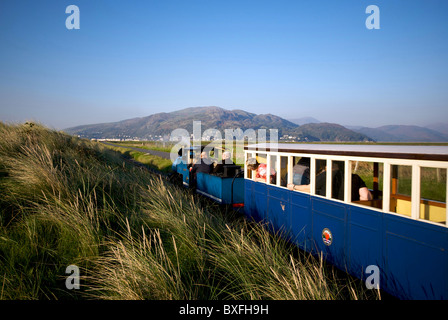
{"points": [[327, 237]]}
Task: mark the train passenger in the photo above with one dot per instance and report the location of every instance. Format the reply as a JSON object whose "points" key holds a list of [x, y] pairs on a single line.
{"points": [[363, 193], [204, 164], [261, 170], [305, 186], [321, 177], [359, 188], [226, 158], [177, 161], [226, 161], [252, 164], [301, 173]]}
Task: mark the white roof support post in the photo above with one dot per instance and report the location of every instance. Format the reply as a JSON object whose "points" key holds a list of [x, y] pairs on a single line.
{"points": [[348, 180], [312, 175], [329, 177], [446, 199], [268, 168], [278, 169], [415, 192], [246, 156], [386, 186], [290, 170]]}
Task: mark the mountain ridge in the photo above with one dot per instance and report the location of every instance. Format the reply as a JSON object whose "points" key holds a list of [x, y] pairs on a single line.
{"points": [[402, 133], [159, 125], [162, 124]]}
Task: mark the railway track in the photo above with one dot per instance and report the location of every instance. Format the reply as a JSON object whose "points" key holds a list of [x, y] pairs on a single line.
{"points": [[162, 154]]}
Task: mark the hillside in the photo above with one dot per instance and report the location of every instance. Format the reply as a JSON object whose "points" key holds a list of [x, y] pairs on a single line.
{"points": [[331, 132], [162, 124], [441, 127], [304, 120], [403, 133]]}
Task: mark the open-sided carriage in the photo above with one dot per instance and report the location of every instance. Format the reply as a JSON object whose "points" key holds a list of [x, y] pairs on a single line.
{"points": [[226, 187], [400, 230]]}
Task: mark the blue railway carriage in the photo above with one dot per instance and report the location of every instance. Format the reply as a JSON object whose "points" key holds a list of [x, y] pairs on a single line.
{"points": [[225, 188], [365, 208]]}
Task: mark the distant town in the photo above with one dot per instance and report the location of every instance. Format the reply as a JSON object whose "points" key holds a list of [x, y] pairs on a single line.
{"points": [[284, 138]]}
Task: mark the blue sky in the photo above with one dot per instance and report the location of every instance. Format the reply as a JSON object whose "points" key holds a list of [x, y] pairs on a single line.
{"points": [[289, 58]]}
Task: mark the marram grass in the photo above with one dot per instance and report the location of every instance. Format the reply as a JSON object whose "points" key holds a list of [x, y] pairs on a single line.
{"points": [[66, 201]]}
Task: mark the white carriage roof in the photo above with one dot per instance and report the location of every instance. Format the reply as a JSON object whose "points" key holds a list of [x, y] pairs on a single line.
{"points": [[420, 152]]}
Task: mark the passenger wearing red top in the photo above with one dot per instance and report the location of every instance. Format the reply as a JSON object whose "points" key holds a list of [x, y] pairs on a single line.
{"points": [[262, 172]]}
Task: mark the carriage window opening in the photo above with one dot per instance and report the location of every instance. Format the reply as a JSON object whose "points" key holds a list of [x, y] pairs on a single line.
{"points": [[400, 189], [250, 165], [260, 167], [262, 158], [337, 180], [273, 169], [367, 183], [300, 174], [433, 194], [283, 171], [321, 177]]}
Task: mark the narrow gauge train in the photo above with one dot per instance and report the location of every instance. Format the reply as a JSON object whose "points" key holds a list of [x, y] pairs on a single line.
{"points": [[399, 225], [225, 187]]}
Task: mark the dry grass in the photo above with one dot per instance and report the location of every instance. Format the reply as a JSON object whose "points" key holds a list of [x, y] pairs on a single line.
{"points": [[68, 201]]}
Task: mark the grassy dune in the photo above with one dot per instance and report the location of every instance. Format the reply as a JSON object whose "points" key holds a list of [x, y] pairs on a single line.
{"points": [[66, 201]]}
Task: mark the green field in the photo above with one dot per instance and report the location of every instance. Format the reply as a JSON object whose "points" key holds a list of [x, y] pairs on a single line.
{"points": [[150, 145], [67, 201], [152, 161]]}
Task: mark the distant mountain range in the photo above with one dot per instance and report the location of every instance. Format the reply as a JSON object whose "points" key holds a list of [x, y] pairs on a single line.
{"points": [[439, 127], [435, 132], [304, 120], [403, 133], [160, 125]]}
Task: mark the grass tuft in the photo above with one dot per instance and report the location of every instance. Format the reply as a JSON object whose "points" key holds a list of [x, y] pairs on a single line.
{"points": [[133, 235]]}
